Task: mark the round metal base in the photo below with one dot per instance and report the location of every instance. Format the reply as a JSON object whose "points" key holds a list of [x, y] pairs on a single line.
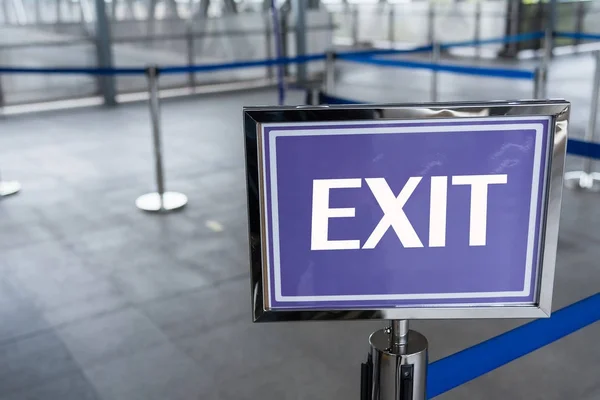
{"points": [[170, 201], [9, 187], [582, 180]]}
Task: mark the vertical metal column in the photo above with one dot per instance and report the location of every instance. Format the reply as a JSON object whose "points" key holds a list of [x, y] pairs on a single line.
{"points": [[300, 33], [106, 83], [329, 71], [191, 60], [435, 59], [586, 179], [38, 11], [431, 22], [548, 47], [392, 25], [268, 44], [355, 22], [397, 366], [58, 11], [477, 33], [161, 200], [579, 20]]}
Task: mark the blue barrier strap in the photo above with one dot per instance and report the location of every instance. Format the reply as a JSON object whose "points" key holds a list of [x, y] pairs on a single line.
{"points": [[381, 52], [72, 70], [241, 64], [575, 35], [585, 149], [506, 39], [466, 365], [457, 69]]}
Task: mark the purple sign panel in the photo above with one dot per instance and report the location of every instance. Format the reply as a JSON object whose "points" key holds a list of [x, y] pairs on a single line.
{"points": [[384, 214]]}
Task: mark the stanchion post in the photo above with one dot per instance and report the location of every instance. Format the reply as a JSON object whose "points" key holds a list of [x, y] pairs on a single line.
{"points": [[397, 364], [431, 22], [161, 200], [536, 82], [329, 71], [189, 41], [477, 31], [435, 59], [586, 179], [355, 21], [392, 25], [268, 45]]}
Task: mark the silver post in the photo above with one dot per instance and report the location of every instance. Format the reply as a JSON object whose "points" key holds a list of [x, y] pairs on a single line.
{"points": [[38, 11], [355, 25], [330, 71], [431, 22], [399, 332], [58, 11], [392, 25], [536, 82], [591, 128], [189, 41], [269, 45], [435, 59], [159, 200], [477, 33], [397, 363], [586, 179]]}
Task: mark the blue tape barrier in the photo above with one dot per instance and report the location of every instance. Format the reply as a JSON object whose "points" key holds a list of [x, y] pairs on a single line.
{"points": [[575, 147], [457, 69], [73, 70], [167, 69], [506, 39], [576, 35], [464, 366]]}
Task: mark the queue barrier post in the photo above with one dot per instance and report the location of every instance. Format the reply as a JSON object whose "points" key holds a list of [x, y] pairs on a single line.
{"points": [[355, 22], [586, 179], [329, 71], [435, 59], [396, 367], [161, 200]]}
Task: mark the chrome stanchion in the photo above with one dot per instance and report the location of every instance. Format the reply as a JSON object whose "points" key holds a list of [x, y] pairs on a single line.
{"points": [[435, 59], [329, 71], [477, 32], [191, 54], [537, 84], [9, 187], [161, 200], [392, 26], [355, 25], [431, 22], [586, 179], [396, 368]]}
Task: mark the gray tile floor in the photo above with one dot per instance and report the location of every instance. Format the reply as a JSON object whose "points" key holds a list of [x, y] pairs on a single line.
{"points": [[101, 301]]}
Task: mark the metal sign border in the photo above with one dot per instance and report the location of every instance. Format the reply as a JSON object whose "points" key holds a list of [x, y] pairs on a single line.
{"points": [[558, 110]]}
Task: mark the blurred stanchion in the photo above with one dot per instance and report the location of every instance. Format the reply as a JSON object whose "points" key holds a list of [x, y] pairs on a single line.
{"points": [[586, 179], [329, 71], [435, 59], [161, 200]]}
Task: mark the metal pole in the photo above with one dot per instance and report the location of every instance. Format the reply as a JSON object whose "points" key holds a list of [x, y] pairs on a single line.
{"points": [[38, 10], [58, 11], [269, 45], [579, 20], [300, 31], [160, 200], [431, 23], [435, 59], [330, 72], [392, 25], [477, 33], [591, 128], [104, 54], [586, 179], [355, 25], [537, 82], [397, 365], [189, 40]]}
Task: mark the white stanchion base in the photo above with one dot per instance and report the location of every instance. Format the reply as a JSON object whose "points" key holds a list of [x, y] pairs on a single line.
{"points": [[582, 180], [170, 201], [9, 187]]}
